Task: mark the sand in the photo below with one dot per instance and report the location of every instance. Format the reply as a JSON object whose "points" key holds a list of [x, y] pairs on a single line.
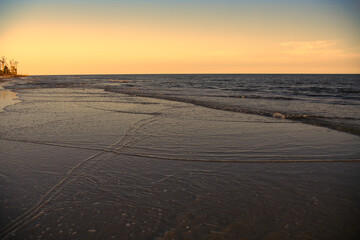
{"points": [[89, 164]]}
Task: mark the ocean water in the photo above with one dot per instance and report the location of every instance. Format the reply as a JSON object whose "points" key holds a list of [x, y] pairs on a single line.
{"points": [[82, 160], [331, 101]]}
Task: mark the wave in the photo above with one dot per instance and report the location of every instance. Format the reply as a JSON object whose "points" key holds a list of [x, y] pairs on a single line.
{"points": [[264, 97], [316, 120]]}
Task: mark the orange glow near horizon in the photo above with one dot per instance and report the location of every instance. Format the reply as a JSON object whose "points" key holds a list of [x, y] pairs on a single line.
{"points": [[93, 44]]}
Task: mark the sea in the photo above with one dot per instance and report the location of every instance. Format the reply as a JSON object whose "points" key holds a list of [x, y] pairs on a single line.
{"points": [[180, 156], [327, 100]]}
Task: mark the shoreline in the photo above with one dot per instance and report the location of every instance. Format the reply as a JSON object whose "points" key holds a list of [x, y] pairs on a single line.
{"points": [[8, 77], [8, 96], [88, 156], [300, 119], [307, 119]]}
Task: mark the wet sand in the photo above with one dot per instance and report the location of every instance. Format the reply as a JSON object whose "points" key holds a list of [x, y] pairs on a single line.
{"points": [[7, 97], [89, 164]]}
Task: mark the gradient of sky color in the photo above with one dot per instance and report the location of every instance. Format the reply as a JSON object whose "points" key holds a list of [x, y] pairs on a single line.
{"points": [[181, 36]]}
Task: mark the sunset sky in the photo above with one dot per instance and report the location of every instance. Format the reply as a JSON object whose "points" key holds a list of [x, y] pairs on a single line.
{"points": [[181, 36]]}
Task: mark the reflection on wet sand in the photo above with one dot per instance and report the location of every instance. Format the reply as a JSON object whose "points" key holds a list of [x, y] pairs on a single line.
{"points": [[7, 98]]}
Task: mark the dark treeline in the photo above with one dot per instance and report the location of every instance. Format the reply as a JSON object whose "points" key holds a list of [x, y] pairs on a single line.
{"points": [[8, 68]]}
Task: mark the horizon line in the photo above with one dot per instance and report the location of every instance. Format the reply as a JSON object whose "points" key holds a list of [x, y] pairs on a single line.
{"points": [[192, 74]]}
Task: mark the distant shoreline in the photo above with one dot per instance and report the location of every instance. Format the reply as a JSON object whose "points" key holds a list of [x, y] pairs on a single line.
{"points": [[4, 78]]}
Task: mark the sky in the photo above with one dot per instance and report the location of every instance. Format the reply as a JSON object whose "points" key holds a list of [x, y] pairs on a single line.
{"points": [[181, 36]]}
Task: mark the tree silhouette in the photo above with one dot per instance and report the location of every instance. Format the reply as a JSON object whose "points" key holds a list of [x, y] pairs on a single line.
{"points": [[5, 69], [2, 61]]}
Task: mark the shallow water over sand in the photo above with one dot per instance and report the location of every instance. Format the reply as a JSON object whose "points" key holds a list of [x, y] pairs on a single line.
{"points": [[7, 97], [89, 164], [328, 100]]}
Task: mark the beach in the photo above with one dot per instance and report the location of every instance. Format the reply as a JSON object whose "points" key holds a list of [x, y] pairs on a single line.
{"points": [[180, 120], [85, 163]]}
